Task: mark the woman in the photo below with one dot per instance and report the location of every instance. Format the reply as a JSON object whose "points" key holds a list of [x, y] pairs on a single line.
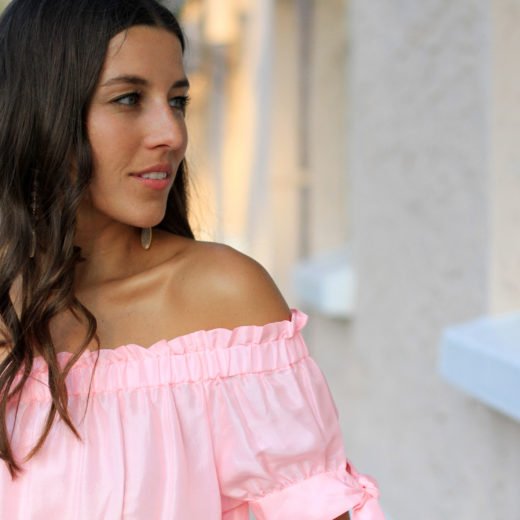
{"points": [[101, 417]]}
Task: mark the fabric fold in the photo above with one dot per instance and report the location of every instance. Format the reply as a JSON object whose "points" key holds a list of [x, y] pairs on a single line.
{"points": [[243, 418]]}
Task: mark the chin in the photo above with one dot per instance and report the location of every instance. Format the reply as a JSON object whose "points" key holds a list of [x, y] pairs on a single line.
{"points": [[149, 220], [148, 223]]}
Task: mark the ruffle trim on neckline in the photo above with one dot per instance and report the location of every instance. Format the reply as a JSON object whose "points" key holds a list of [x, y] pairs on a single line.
{"points": [[196, 356]]}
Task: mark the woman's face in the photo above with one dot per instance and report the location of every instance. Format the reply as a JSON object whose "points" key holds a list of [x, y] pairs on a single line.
{"points": [[136, 126]]}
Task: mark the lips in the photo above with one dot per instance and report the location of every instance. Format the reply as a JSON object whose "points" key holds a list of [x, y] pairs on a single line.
{"points": [[154, 171], [157, 177]]}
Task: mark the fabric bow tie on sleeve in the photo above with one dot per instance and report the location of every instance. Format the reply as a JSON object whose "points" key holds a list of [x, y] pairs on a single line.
{"points": [[366, 490]]}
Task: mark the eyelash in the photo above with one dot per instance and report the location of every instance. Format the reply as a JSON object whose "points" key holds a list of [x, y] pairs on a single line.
{"points": [[184, 100]]}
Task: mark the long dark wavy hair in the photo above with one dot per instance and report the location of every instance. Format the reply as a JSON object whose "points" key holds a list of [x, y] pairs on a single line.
{"points": [[51, 56]]}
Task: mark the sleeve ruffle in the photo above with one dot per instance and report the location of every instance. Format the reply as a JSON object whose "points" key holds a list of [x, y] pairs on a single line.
{"points": [[324, 496], [278, 445]]}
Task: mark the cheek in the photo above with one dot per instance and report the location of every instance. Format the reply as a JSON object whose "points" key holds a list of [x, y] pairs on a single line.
{"points": [[106, 145], [184, 133], [109, 140]]}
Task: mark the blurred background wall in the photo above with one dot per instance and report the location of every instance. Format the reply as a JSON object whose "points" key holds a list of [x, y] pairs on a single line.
{"points": [[431, 235]]}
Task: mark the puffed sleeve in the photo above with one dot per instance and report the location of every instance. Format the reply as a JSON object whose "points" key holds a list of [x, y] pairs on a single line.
{"points": [[277, 441]]}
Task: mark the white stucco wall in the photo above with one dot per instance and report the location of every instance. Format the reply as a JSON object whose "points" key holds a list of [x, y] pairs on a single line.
{"points": [[421, 158], [326, 107], [505, 166]]}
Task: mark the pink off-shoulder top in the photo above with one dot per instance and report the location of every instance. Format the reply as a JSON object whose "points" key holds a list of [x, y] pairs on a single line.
{"points": [[202, 427]]}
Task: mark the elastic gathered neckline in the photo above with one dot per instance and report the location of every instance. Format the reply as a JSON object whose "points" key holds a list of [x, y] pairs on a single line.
{"points": [[197, 356]]}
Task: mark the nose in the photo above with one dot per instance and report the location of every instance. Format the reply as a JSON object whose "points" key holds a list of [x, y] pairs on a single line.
{"points": [[165, 127]]}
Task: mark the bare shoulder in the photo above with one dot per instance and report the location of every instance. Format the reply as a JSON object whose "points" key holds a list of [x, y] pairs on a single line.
{"points": [[230, 288]]}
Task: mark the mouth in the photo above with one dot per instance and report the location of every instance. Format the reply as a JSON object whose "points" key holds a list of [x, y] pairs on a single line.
{"points": [[157, 177]]}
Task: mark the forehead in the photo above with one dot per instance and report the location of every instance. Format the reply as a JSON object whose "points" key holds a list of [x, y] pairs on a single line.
{"points": [[143, 48]]}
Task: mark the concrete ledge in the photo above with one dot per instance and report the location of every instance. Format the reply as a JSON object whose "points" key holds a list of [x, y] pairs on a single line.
{"points": [[326, 284], [482, 358]]}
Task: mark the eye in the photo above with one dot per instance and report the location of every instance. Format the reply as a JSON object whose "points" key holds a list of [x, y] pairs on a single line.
{"points": [[130, 99], [180, 102]]}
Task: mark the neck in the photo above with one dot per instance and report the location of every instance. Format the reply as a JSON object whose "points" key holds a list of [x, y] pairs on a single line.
{"points": [[106, 246]]}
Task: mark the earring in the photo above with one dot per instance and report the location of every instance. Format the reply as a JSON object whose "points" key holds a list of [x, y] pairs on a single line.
{"points": [[146, 237], [34, 209]]}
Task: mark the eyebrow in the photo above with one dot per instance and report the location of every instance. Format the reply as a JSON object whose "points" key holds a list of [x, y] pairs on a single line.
{"points": [[137, 80]]}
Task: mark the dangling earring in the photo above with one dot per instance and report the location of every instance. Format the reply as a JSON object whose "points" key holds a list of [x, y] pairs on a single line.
{"points": [[34, 209], [146, 237]]}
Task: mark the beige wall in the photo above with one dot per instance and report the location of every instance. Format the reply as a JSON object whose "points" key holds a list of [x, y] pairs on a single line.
{"points": [[325, 173], [225, 216], [505, 157], [423, 158]]}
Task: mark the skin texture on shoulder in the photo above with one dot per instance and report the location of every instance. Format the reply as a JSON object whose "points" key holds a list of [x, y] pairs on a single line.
{"points": [[230, 289], [178, 287]]}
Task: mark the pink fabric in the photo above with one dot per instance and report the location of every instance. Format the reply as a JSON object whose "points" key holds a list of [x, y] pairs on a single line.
{"points": [[202, 427]]}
